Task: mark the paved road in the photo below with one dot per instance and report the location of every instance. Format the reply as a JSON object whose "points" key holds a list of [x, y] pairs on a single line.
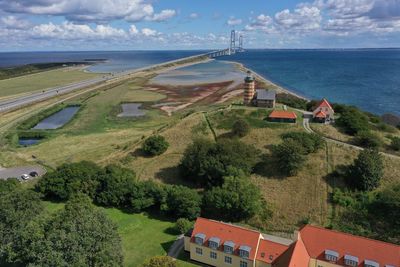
{"points": [[176, 247], [16, 172]]}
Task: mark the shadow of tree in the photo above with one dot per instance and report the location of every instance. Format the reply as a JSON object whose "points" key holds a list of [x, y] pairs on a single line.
{"points": [[173, 175], [268, 168]]}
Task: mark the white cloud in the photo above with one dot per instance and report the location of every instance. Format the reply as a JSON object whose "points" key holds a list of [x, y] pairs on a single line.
{"points": [[232, 21], [89, 10], [163, 15], [194, 16], [149, 32], [133, 30], [13, 22]]}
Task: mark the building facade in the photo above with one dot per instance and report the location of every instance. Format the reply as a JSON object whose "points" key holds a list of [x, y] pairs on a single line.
{"points": [[221, 244], [324, 112], [265, 98]]}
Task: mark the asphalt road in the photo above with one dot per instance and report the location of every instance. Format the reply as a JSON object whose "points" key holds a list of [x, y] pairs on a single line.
{"points": [[16, 172]]}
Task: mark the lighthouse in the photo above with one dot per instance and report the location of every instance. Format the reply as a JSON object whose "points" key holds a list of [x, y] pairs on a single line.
{"points": [[249, 88]]}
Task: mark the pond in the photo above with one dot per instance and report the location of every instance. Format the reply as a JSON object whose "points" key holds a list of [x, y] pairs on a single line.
{"points": [[28, 141], [58, 119], [131, 110]]}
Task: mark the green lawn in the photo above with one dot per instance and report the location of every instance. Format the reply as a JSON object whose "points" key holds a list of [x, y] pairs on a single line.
{"points": [[143, 236], [42, 80]]}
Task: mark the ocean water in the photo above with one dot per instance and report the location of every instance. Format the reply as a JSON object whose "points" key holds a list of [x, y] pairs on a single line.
{"points": [[367, 78]]}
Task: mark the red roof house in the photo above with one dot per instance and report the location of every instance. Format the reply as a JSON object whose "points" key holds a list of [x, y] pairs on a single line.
{"points": [[282, 116], [323, 112]]}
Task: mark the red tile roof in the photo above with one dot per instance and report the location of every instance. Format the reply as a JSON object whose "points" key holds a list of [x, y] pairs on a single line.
{"points": [[320, 114], [300, 256], [324, 104], [317, 240], [269, 251], [227, 232], [282, 114]]}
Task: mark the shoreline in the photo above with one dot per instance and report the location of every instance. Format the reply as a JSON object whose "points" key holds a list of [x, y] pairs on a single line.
{"points": [[278, 88]]}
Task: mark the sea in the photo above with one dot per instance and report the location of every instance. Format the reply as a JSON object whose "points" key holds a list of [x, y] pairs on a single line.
{"points": [[367, 78]]}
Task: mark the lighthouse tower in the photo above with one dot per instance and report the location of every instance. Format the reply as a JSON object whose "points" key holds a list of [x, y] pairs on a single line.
{"points": [[249, 88]]}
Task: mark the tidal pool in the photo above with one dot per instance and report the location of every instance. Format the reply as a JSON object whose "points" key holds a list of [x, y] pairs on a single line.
{"points": [[132, 110], [58, 119], [28, 141]]}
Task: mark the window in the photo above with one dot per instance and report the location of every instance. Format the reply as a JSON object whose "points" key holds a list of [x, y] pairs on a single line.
{"points": [[350, 263], [243, 264], [213, 255], [228, 249], [199, 251], [228, 260], [331, 258], [243, 254], [198, 240], [212, 244]]}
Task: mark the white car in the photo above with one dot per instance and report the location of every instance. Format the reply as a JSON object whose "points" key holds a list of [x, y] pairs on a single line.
{"points": [[25, 176]]}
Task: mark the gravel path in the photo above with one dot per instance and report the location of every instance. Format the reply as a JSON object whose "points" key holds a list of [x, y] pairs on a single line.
{"points": [[16, 172]]}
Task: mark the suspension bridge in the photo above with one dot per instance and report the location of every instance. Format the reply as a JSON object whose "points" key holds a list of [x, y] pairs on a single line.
{"points": [[236, 46]]}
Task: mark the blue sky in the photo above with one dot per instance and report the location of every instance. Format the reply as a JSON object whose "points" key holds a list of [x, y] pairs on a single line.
{"points": [[32, 25]]}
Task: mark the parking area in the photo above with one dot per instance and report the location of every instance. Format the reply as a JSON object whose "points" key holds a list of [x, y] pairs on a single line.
{"points": [[17, 172]]}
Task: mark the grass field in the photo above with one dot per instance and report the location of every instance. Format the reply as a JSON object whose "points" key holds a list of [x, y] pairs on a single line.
{"points": [[43, 80]]}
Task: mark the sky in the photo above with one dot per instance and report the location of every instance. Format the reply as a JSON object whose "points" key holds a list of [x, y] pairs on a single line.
{"points": [[78, 25]]}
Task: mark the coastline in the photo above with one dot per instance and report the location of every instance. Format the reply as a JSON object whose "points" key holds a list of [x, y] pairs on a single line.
{"points": [[260, 78]]}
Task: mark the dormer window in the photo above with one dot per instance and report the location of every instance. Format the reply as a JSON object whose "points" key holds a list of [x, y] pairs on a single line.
{"points": [[370, 263], [331, 255], [213, 242], [350, 260], [244, 252], [199, 238], [228, 247]]}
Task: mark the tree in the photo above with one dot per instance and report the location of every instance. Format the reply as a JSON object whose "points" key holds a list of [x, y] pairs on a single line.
{"points": [[311, 142], [182, 202], [144, 195], [155, 145], [240, 128], [367, 139], [206, 163], [70, 179], [387, 208], [19, 209], [114, 185], [353, 121], [366, 171], [395, 143], [9, 185], [289, 156], [79, 235], [160, 261], [238, 199], [183, 225]]}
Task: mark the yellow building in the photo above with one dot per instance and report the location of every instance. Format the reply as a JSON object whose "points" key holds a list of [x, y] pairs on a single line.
{"points": [[221, 244]]}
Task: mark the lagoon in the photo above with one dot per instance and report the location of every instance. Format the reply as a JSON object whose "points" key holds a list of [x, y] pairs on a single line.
{"points": [[131, 110], [58, 119]]}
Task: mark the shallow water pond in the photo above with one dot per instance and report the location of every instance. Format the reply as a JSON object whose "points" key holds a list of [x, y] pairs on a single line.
{"points": [[132, 110], [58, 119]]}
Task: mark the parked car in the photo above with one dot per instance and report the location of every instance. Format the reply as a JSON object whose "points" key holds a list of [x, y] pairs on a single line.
{"points": [[25, 176], [34, 174]]}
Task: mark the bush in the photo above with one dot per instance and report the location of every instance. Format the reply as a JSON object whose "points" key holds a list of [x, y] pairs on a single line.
{"points": [[289, 156], [70, 179], [160, 261], [238, 199], [291, 101], [342, 198], [9, 185], [367, 139], [395, 144], [206, 163], [310, 142], [155, 145], [353, 121], [182, 202], [366, 171], [183, 225], [240, 128], [145, 195]]}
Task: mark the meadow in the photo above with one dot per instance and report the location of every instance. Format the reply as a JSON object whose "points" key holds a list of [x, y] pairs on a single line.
{"points": [[40, 81]]}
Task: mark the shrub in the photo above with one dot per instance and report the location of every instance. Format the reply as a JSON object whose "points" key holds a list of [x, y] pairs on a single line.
{"points": [[182, 202], [395, 144], [144, 195], [9, 185], [366, 171], [240, 128], [237, 199], [342, 198], [311, 105], [183, 225], [367, 139], [289, 156], [353, 121], [310, 142], [160, 261], [292, 101], [155, 145], [206, 163]]}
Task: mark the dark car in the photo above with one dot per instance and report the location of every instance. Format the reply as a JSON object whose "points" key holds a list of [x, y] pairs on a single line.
{"points": [[33, 174]]}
